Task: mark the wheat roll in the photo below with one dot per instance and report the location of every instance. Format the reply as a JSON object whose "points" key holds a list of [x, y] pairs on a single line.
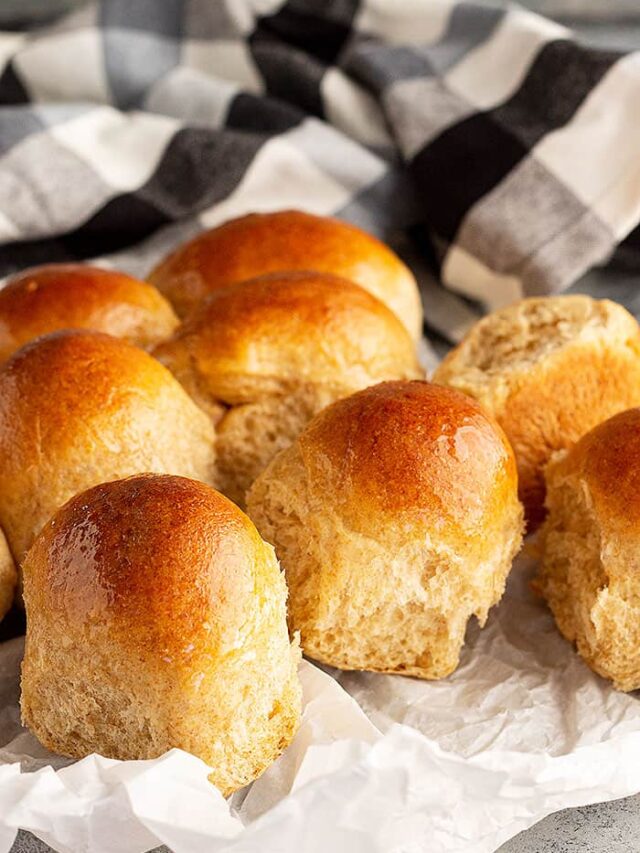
{"points": [[590, 543], [8, 576], [76, 296], [395, 517], [156, 618], [264, 356], [548, 369], [262, 243], [79, 408]]}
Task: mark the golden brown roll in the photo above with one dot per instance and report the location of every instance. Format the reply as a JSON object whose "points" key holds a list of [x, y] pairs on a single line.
{"points": [[590, 543], [8, 576], [264, 356], [76, 296], [548, 369], [287, 240], [395, 517], [79, 408], [156, 618]]}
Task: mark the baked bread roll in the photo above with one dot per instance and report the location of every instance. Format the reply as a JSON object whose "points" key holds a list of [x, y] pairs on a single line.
{"points": [[76, 296], [156, 618], [8, 577], [548, 369], [395, 517], [264, 356], [79, 408], [261, 243], [589, 547]]}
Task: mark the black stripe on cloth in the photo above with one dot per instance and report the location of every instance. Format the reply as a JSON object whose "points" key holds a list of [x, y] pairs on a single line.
{"points": [[198, 168], [319, 28], [290, 75], [467, 160], [632, 240], [262, 114], [294, 46], [627, 254], [559, 80], [460, 166], [124, 220], [29, 253], [12, 89]]}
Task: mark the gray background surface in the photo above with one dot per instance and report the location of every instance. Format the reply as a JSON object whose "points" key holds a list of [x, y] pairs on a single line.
{"points": [[612, 827]]}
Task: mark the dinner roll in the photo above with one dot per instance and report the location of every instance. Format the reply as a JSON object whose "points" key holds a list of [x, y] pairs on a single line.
{"points": [[287, 240], [395, 517], [8, 576], [590, 543], [156, 618], [264, 356], [548, 369], [78, 408], [75, 296]]}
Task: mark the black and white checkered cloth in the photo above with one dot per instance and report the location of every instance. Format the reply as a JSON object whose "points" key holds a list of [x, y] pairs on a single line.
{"points": [[483, 142]]}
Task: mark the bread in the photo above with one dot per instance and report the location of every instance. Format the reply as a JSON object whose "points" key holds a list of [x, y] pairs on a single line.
{"points": [[589, 547], [548, 369], [261, 243], [8, 576], [78, 408], [156, 618], [264, 356], [75, 296], [395, 517]]}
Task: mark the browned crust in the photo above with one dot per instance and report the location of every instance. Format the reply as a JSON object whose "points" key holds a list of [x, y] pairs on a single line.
{"points": [[47, 298], [262, 243], [164, 562], [415, 448], [289, 327]]}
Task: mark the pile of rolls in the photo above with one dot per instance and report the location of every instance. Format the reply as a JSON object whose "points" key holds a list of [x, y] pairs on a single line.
{"points": [[207, 474]]}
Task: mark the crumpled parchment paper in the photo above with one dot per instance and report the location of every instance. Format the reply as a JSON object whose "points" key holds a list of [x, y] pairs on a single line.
{"points": [[522, 728]]}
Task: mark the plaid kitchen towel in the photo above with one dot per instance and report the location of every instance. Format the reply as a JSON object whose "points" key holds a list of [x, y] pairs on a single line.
{"points": [[483, 141]]}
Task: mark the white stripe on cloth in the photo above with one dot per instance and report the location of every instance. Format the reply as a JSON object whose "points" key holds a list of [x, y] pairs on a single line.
{"points": [[122, 148], [465, 274], [228, 59], [10, 44], [281, 175], [65, 66], [353, 110], [192, 97], [404, 21], [8, 230], [490, 73], [597, 153]]}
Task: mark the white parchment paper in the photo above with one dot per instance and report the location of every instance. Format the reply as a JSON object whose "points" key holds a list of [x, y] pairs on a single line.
{"points": [[520, 730]]}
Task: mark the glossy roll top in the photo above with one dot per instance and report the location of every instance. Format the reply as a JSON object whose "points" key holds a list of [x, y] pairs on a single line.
{"points": [[287, 240], [167, 564], [286, 329], [79, 408], [411, 450], [606, 462], [76, 296], [156, 618]]}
